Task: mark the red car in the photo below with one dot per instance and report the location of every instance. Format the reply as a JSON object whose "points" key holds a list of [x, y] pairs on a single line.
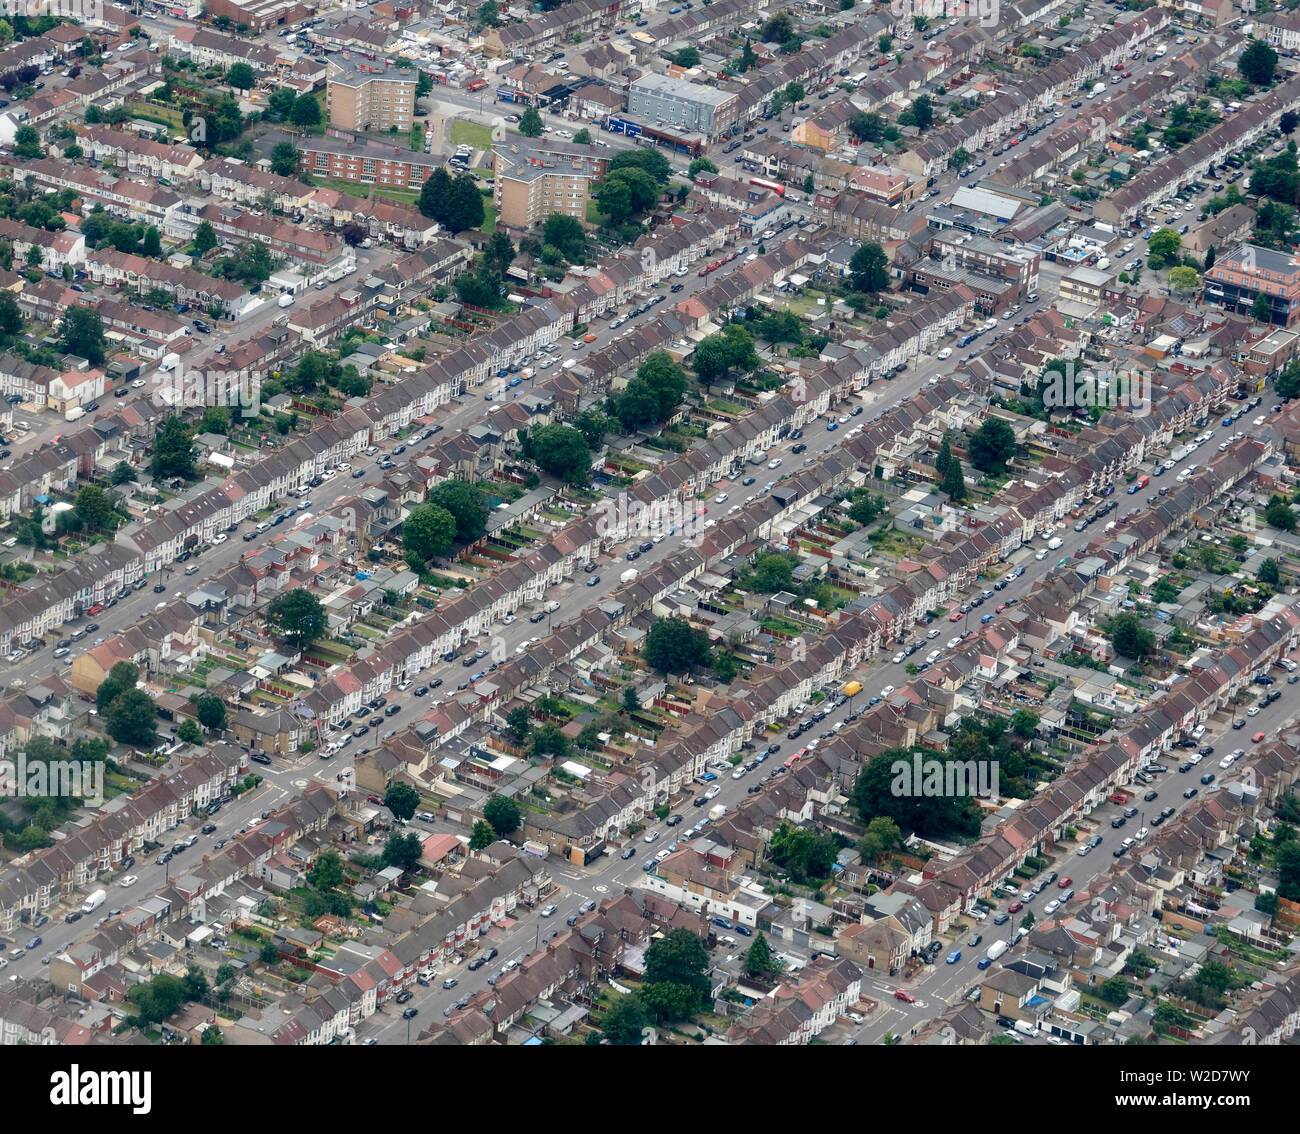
{"points": [[906, 997], [1065, 883], [1257, 737], [1015, 907], [1126, 75], [96, 609], [955, 616], [1001, 607]]}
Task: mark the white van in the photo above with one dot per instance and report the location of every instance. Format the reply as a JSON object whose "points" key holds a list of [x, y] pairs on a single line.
{"points": [[286, 299]]}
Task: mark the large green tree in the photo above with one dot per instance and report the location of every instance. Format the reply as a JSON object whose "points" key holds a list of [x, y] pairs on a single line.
{"points": [[428, 531], [993, 446], [466, 504], [173, 450], [561, 450], [503, 814], [674, 645], [83, 334], [299, 615]]}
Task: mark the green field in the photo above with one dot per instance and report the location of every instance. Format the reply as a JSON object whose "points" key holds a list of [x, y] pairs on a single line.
{"points": [[471, 134]]}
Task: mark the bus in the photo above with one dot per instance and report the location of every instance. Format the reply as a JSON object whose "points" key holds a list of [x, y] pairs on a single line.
{"points": [[774, 186]]}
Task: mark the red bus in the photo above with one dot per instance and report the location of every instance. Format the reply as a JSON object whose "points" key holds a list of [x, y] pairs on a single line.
{"points": [[476, 84], [775, 186]]}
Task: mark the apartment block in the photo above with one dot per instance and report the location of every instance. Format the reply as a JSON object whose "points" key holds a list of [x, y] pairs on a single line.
{"points": [[532, 182], [363, 96], [1247, 271]]}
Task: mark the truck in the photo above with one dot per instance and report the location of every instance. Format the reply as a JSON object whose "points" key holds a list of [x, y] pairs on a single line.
{"points": [[286, 299], [1160, 51], [853, 688], [552, 606], [717, 812], [627, 575], [93, 902], [169, 362], [74, 413], [1142, 481], [1053, 543], [996, 950], [476, 84]]}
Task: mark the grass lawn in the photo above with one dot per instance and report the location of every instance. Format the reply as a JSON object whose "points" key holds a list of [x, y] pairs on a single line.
{"points": [[471, 134], [489, 217], [593, 214]]}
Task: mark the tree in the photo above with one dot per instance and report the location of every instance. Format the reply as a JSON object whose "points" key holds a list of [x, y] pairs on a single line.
{"points": [[212, 1037], [650, 161], [306, 112], [614, 199], [1261, 309], [518, 722], [482, 836], [809, 185], [674, 645], [503, 814], [210, 710], [1183, 278], [131, 719], [806, 855], [428, 531], [93, 506], [284, 159], [205, 239], [1163, 247], [500, 251], [776, 29], [27, 143], [993, 445], [488, 14], [1258, 63], [434, 193], [624, 1021], [700, 164], [530, 123], [944, 459], [269, 953], [566, 234], [240, 76], [1279, 514], [1269, 573], [1129, 638], [189, 732], [582, 137], [759, 959], [687, 57], [326, 872], [299, 616], [464, 207], [676, 981], [467, 506], [279, 103], [151, 245], [869, 269], [548, 740], [1024, 723], [881, 837], [83, 334], [402, 851], [561, 450], [402, 800], [122, 473], [954, 482]]}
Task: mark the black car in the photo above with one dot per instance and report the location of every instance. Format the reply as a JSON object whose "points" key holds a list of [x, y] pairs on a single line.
{"points": [[437, 681], [410, 1013], [1150, 796], [1191, 791], [1119, 821], [419, 691], [800, 448], [672, 820], [260, 758], [1208, 778], [207, 828]]}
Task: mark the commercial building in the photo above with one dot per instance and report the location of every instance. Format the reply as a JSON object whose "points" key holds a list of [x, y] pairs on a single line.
{"points": [[366, 96], [1248, 271], [657, 100]]}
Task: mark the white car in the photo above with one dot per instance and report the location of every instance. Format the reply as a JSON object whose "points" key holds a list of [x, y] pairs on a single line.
{"points": [[129, 880], [220, 537], [887, 690], [898, 657], [1051, 907], [721, 498], [954, 642], [933, 656], [652, 837], [933, 633], [945, 354], [509, 620]]}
